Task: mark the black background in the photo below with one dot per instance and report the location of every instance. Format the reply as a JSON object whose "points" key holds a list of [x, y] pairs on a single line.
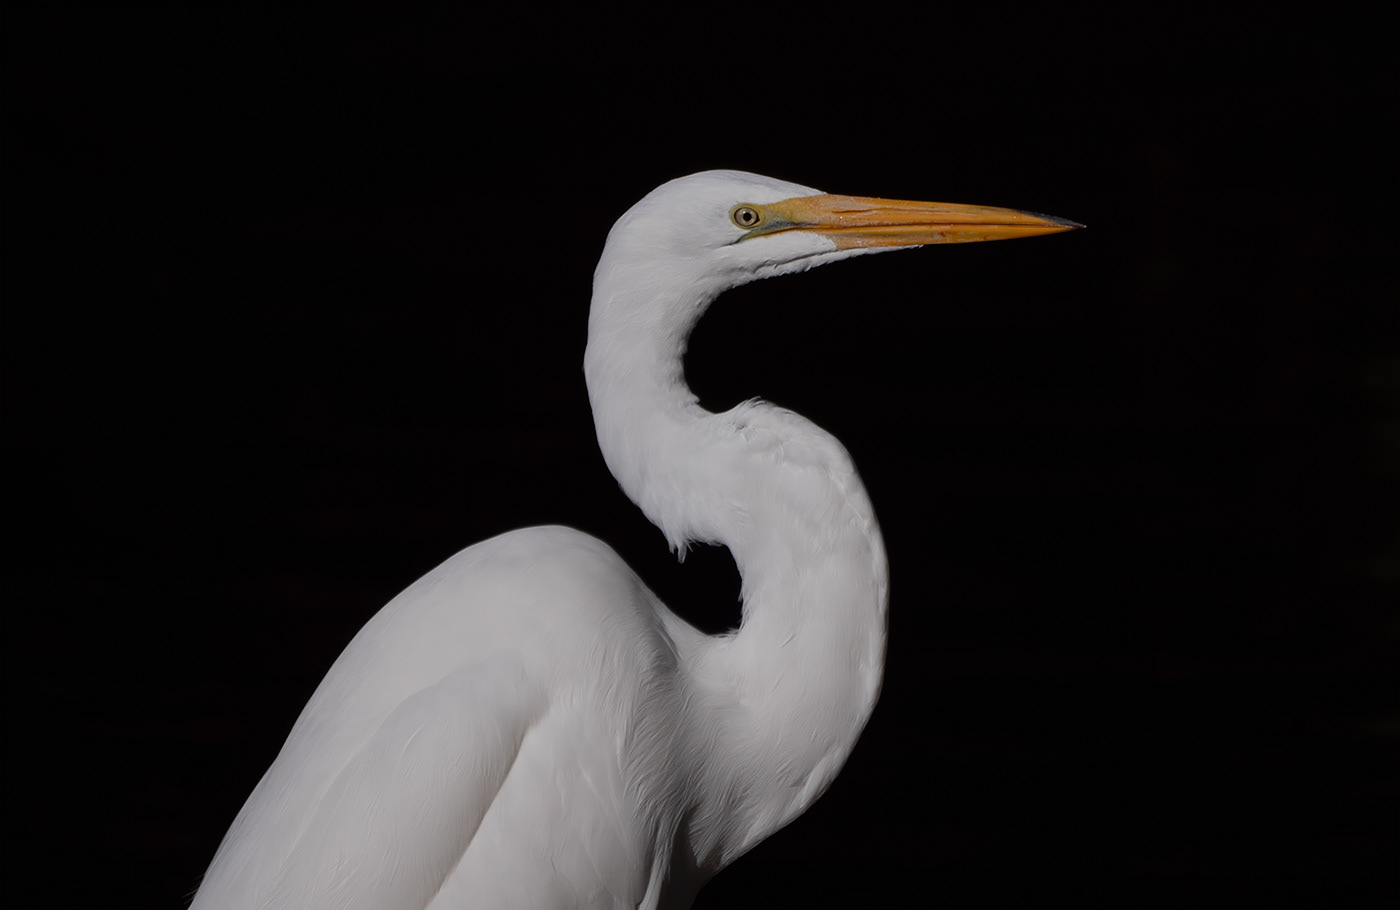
{"points": [[295, 307]]}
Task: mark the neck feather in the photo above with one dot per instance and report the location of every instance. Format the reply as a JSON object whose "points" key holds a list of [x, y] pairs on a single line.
{"points": [[783, 699]]}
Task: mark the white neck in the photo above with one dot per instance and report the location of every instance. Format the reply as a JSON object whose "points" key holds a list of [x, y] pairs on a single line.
{"points": [[780, 702]]}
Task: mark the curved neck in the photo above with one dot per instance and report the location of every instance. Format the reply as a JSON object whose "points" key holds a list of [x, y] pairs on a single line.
{"points": [[783, 699]]}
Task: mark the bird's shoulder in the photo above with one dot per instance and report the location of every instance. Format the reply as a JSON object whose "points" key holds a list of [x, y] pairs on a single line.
{"points": [[540, 593], [482, 686], [548, 569]]}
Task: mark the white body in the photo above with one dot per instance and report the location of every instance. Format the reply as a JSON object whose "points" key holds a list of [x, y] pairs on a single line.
{"points": [[527, 726]]}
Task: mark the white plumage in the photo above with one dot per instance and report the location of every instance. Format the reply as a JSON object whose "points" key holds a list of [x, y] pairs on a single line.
{"points": [[527, 726]]}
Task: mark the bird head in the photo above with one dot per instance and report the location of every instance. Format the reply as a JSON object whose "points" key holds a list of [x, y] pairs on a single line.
{"points": [[692, 238], [746, 226]]}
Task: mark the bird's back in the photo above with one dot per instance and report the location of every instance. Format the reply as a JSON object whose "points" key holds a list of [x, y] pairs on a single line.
{"points": [[483, 741]]}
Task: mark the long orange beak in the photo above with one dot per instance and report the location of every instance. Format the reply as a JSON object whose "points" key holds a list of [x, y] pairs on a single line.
{"points": [[854, 222]]}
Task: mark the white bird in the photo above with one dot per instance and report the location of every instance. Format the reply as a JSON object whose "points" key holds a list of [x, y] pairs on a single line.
{"points": [[528, 726]]}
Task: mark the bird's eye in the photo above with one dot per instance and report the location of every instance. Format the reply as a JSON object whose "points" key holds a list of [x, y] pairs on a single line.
{"points": [[745, 216]]}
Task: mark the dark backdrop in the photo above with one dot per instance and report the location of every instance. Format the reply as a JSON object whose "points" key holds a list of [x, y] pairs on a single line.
{"points": [[294, 308]]}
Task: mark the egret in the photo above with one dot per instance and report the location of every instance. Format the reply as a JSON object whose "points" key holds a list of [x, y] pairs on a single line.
{"points": [[528, 726]]}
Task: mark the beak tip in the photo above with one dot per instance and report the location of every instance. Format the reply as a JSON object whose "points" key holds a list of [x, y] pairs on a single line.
{"points": [[1061, 222]]}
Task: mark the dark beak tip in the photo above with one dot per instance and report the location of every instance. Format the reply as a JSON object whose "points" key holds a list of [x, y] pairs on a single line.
{"points": [[1063, 222]]}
